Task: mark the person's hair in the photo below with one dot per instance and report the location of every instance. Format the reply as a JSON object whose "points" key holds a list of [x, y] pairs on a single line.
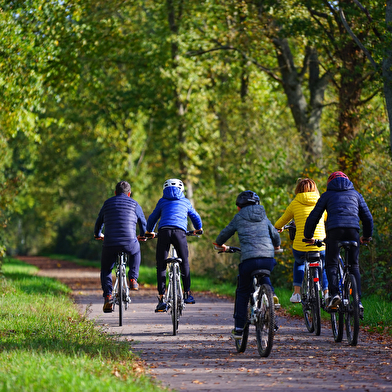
{"points": [[123, 187], [305, 185]]}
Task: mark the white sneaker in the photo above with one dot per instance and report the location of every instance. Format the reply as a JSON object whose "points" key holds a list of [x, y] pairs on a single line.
{"points": [[295, 299]]}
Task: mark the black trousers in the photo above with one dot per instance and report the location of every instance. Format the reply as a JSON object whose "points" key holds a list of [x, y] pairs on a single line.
{"points": [[332, 257], [177, 237]]}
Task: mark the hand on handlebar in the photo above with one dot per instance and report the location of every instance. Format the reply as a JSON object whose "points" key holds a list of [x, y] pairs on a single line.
{"points": [[308, 240], [149, 234], [365, 240], [220, 248], [198, 231], [141, 238], [100, 237]]}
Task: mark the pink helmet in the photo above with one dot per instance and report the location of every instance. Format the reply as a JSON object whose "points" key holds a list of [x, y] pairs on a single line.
{"points": [[335, 175]]}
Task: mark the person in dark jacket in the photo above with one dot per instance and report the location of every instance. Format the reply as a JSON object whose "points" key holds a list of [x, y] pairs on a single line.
{"points": [[258, 240], [345, 208], [173, 210], [119, 216]]}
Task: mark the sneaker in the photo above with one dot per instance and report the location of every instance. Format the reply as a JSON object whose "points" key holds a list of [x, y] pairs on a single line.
{"points": [[361, 309], [276, 327], [276, 302], [188, 298], [108, 305], [133, 285], [236, 333], [295, 298], [334, 302], [162, 306]]}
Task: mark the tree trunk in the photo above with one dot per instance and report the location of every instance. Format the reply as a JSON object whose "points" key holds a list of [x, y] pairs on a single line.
{"points": [[387, 68]]}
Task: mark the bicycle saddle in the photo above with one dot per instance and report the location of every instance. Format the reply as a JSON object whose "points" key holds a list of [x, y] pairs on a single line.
{"points": [[261, 272]]}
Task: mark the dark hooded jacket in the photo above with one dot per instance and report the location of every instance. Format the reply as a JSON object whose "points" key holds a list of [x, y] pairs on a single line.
{"points": [[173, 210], [345, 208], [257, 235]]}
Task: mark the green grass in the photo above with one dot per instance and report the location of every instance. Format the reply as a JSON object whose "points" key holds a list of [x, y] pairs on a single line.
{"points": [[46, 345]]}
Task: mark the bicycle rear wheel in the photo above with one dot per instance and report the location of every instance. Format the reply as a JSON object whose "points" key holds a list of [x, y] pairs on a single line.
{"points": [[174, 307], [265, 321], [352, 310], [306, 301], [120, 294], [337, 318], [315, 302]]}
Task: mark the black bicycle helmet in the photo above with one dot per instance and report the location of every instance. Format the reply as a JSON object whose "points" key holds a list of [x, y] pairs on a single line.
{"points": [[247, 198]]}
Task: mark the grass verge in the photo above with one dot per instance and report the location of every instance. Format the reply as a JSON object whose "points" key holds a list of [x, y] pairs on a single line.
{"points": [[46, 345]]}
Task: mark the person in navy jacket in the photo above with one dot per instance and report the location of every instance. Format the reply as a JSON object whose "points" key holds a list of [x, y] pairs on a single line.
{"points": [[119, 216], [345, 208], [173, 210]]}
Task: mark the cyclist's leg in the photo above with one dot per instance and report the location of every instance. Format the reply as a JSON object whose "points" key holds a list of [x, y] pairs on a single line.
{"points": [[134, 259], [162, 252], [324, 279], [180, 243], [244, 288], [298, 274], [353, 256], [108, 258]]}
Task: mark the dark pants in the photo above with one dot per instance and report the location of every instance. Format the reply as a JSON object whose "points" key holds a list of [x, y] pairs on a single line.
{"points": [[177, 237], [108, 258], [245, 285], [332, 257]]}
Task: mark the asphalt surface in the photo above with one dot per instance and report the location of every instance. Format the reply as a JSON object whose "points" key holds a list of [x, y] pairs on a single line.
{"points": [[202, 357]]}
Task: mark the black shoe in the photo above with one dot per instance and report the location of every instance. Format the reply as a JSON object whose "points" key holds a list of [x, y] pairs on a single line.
{"points": [[162, 306], [334, 302], [236, 333], [361, 310], [108, 305]]}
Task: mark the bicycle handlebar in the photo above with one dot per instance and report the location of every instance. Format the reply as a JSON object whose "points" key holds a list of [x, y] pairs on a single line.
{"points": [[189, 233], [229, 249]]}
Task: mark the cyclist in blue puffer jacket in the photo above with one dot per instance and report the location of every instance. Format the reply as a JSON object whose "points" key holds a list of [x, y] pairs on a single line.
{"points": [[173, 210], [345, 208], [119, 215]]}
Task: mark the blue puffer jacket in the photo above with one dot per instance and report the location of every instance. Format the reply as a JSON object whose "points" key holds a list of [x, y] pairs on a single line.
{"points": [[120, 214], [257, 235], [173, 210], [345, 208]]}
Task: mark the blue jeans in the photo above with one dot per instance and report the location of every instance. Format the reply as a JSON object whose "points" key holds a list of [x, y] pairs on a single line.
{"points": [[245, 285], [299, 268]]}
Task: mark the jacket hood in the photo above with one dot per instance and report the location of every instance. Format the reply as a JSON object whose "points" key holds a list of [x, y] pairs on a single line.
{"points": [[340, 184], [307, 198], [173, 193], [253, 213]]}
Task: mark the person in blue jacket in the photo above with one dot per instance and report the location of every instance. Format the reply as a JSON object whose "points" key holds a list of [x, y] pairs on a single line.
{"points": [[119, 217], [345, 208], [258, 240], [173, 210]]}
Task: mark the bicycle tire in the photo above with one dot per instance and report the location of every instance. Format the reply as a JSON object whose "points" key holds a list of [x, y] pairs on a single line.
{"points": [[315, 303], [240, 344], [120, 294], [306, 301], [174, 307], [337, 318], [265, 322], [352, 310]]}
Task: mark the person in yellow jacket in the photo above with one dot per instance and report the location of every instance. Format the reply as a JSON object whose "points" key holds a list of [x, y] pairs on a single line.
{"points": [[306, 198]]}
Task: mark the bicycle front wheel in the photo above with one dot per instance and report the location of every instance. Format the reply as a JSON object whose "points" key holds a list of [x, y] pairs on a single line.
{"points": [[265, 322], [352, 310]]}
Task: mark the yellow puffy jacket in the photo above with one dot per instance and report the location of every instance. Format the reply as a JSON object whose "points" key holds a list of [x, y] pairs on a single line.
{"points": [[299, 209]]}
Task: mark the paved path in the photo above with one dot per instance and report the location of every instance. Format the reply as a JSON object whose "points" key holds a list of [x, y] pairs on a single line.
{"points": [[202, 356]]}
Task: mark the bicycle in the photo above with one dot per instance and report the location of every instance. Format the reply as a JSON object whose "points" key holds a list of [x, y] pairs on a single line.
{"points": [[121, 296], [312, 298], [174, 297], [261, 311], [348, 312]]}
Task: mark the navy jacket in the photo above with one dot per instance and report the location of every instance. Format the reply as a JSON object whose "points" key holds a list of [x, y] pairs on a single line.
{"points": [[120, 214], [257, 235], [345, 208], [173, 210]]}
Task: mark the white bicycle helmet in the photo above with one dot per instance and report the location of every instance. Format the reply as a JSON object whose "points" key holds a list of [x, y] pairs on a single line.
{"points": [[174, 182]]}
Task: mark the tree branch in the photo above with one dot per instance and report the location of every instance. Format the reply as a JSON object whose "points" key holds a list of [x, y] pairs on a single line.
{"points": [[356, 40]]}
